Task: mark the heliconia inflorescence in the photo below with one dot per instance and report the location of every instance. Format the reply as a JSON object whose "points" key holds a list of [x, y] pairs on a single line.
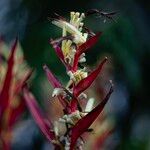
{"points": [[71, 47], [14, 73]]}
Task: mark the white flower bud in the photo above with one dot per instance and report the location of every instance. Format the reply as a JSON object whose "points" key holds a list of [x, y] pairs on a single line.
{"points": [[56, 128], [70, 74], [89, 105], [57, 91], [62, 120], [82, 60]]}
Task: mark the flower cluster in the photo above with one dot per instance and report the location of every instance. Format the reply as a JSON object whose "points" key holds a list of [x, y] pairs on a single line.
{"points": [[13, 75], [71, 49]]}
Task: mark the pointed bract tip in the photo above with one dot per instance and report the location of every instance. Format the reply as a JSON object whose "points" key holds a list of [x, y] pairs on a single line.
{"points": [[15, 44], [104, 60], [111, 85], [28, 76], [45, 67], [31, 71]]}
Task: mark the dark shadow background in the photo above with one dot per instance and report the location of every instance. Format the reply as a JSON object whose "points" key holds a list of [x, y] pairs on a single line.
{"points": [[127, 41]]}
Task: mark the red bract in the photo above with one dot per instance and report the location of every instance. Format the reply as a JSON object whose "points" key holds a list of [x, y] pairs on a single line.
{"points": [[55, 83], [86, 82], [5, 92], [83, 124], [59, 53], [51, 78], [81, 86], [58, 50], [15, 113], [83, 48], [44, 124]]}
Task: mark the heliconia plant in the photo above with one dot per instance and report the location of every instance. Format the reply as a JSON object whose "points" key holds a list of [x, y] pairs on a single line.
{"points": [[71, 48], [13, 75]]}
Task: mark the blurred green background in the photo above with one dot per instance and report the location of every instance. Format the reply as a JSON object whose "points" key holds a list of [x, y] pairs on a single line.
{"points": [[126, 41]]}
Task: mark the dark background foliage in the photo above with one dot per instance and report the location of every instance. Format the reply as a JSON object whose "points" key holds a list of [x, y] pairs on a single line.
{"points": [[127, 41]]}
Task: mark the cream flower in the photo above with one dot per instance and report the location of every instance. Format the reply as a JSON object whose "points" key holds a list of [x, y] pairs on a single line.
{"points": [[74, 27], [78, 75], [68, 51]]}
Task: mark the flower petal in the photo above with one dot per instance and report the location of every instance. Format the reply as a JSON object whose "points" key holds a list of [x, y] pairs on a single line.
{"points": [[83, 124], [85, 46], [41, 121], [86, 82], [52, 79], [5, 92]]}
